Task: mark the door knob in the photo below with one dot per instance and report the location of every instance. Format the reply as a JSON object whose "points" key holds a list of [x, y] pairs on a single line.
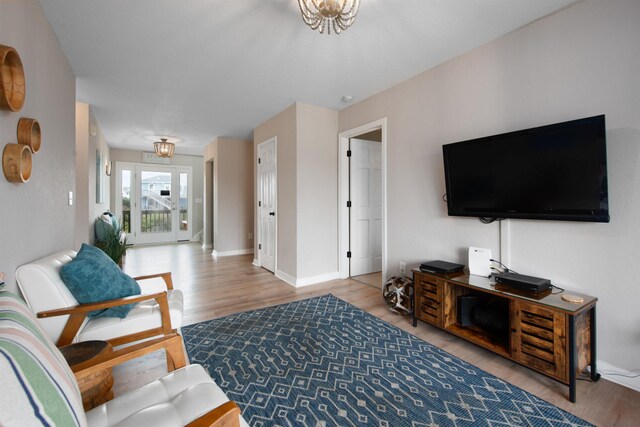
{"points": [[272, 213]]}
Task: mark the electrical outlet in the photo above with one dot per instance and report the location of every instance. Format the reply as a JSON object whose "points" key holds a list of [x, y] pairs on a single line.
{"points": [[250, 236], [402, 268]]}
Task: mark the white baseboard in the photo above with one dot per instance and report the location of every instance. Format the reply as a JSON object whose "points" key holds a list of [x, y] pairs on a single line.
{"points": [[207, 246], [232, 253], [255, 262], [285, 277], [632, 383], [306, 281]]}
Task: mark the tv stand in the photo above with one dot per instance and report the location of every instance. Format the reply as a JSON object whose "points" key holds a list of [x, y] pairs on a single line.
{"points": [[540, 331]]}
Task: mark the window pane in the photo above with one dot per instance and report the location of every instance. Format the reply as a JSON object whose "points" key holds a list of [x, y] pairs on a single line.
{"points": [[184, 202], [126, 201], [155, 202]]}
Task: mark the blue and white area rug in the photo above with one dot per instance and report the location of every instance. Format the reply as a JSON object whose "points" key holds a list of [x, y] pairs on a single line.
{"points": [[324, 362]]}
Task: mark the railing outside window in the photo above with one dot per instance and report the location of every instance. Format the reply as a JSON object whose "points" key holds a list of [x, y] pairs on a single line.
{"points": [[154, 221]]}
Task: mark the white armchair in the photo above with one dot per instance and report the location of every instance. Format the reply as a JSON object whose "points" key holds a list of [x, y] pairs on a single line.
{"points": [[39, 388], [158, 311]]}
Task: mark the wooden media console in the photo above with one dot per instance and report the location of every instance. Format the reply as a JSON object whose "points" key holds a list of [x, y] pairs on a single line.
{"points": [[540, 331]]}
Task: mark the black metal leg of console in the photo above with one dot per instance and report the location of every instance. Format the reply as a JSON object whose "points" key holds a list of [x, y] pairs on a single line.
{"points": [[572, 360], [595, 376]]}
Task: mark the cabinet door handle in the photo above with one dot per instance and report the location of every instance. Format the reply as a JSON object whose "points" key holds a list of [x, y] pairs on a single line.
{"points": [[272, 213]]}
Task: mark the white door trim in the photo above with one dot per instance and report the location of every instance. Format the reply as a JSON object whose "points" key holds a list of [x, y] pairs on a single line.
{"points": [[258, 257], [343, 189], [120, 166]]}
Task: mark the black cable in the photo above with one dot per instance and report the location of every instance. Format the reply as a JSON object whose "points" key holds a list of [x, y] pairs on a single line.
{"points": [[557, 287], [631, 374], [488, 220], [444, 197], [506, 269]]}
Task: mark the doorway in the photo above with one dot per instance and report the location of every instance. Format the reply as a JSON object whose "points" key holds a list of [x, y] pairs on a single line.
{"points": [[154, 203], [362, 208], [267, 187]]}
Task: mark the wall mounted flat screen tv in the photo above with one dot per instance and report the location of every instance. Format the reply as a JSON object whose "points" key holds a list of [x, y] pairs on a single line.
{"points": [[554, 172]]}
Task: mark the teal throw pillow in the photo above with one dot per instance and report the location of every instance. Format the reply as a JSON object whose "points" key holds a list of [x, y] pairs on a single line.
{"points": [[93, 277]]}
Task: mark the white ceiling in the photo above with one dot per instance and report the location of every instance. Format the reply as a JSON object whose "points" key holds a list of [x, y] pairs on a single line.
{"points": [[198, 69]]}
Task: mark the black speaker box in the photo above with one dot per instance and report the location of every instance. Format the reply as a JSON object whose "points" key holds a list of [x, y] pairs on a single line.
{"points": [[466, 304]]}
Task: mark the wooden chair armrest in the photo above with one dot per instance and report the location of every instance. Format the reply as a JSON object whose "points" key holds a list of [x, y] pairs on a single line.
{"points": [[225, 415], [171, 343], [78, 314], [165, 276], [86, 308]]}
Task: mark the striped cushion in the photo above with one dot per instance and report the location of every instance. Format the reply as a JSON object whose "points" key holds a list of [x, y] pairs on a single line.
{"points": [[37, 386]]}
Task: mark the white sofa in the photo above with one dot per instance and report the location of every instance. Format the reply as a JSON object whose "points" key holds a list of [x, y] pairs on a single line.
{"points": [[48, 297]]}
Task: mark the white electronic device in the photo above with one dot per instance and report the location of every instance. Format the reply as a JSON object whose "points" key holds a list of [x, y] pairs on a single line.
{"points": [[480, 261]]}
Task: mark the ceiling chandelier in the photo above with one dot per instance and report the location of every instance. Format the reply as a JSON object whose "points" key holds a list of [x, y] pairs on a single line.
{"points": [[164, 148], [336, 14]]}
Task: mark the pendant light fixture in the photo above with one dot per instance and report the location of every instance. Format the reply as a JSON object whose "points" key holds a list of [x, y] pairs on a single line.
{"points": [[336, 14], [163, 148]]}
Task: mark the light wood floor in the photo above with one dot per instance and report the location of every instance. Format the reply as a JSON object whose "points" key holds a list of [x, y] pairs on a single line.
{"points": [[219, 287], [371, 279]]}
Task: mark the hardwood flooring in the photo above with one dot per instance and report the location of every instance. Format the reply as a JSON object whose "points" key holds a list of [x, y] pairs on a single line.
{"points": [[218, 287], [371, 279]]}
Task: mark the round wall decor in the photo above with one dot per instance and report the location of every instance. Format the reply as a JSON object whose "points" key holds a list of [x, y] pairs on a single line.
{"points": [[12, 84], [29, 134], [16, 162]]}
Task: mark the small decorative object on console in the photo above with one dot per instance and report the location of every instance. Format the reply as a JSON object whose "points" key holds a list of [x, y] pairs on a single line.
{"points": [[398, 293], [573, 298]]}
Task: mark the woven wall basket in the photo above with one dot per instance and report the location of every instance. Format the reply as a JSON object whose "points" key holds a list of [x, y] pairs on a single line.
{"points": [[12, 84], [29, 134], [16, 162]]}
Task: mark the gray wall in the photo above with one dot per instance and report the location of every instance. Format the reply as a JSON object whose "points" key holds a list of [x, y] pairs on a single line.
{"points": [[283, 126], [317, 171], [229, 196], [582, 61], [35, 218], [307, 206], [88, 208]]}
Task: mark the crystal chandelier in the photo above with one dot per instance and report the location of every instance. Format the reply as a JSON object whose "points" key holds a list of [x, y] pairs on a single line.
{"points": [[336, 14], [164, 148]]}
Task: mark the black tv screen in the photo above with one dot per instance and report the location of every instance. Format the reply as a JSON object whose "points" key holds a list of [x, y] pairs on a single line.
{"points": [[555, 172]]}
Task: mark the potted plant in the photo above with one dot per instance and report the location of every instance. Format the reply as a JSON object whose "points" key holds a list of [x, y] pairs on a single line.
{"points": [[110, 237]]}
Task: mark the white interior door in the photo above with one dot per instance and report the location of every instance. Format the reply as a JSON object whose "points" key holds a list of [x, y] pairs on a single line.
{"points": [[154, 202], [366, 207], [267, 204]]}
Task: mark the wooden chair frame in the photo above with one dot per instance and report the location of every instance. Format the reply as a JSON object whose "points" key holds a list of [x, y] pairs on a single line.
{"points": [[225, 415], [77, 314]]}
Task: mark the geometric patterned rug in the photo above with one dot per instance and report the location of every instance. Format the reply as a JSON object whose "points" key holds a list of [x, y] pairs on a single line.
{"points": [[323, 362]]}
